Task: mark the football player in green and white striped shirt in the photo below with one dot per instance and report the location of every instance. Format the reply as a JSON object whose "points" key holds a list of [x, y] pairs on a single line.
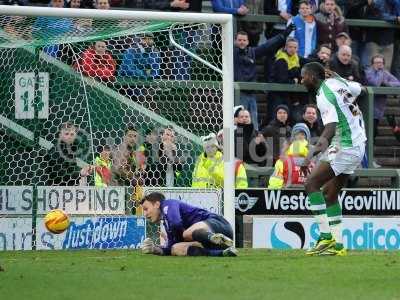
{"points": [[343, 146]]}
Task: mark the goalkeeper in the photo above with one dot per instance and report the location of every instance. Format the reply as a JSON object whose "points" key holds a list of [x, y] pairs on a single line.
{"points": [[191, 231]]}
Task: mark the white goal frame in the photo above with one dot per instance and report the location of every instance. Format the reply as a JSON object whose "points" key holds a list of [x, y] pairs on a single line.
{"points": [[226, 22]]}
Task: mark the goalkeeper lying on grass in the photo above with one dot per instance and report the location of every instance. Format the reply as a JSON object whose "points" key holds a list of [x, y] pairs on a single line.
{"points": [[191, 231]]}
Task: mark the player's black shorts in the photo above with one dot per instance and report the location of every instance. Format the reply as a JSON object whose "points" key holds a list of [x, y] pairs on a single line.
{"points": [[218, 224]]}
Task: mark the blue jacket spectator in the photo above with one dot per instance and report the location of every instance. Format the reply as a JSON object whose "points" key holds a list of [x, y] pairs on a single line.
{"points": [[306, 29], [142, 61], [389, 9], [51, 27], [227, 6]]}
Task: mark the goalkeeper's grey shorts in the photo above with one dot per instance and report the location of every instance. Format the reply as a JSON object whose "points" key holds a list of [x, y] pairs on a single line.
{"points": [[218, 224]]}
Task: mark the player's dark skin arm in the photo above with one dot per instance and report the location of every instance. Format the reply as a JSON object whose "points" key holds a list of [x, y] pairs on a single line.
{"points": [[322, 144], [324, 140]]}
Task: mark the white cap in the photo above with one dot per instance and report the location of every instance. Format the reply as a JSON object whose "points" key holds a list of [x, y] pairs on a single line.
{"points": [[209, 140]]}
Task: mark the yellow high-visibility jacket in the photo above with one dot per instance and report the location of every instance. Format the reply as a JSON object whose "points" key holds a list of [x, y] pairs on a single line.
{"points": [[102, 172], [209, 172], [296, 149]]}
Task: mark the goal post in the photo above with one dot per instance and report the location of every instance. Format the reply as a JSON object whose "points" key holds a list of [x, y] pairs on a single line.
{"points": [[187, 86]]}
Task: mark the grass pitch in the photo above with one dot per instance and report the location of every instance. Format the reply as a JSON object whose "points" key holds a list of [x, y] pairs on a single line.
{"points": [[256, 274]]}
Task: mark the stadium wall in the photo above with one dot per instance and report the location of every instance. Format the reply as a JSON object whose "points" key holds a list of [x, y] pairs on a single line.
{"points": [[280, 219]]}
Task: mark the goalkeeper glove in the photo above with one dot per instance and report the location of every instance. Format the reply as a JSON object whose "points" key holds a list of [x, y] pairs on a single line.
{"points": [[148, 246]]}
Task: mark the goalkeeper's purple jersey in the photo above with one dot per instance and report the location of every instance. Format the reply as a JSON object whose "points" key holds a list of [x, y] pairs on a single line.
{"points": [[177, 217]]}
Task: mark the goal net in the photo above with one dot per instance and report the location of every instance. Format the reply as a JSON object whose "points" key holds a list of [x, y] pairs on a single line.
{"points": [[97, 106]]}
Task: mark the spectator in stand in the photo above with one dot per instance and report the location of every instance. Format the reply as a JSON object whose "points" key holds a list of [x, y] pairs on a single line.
{"points": [[380, 41], [310, 118], [342, 38], [151, 145], [343, 64], [244, 60], [60, 165], [285, 9], [170, 159], [322, 55], [73, 4], [377, 75], [330, 22], [17, 26], [236, 110], [102, 167], [249, 144], [97, 62], [102, 4], [236, 7], [253, 29], [361, 9], [81, 24], [142, 60], [288, 172], [240, 171], [233, 7], [277, 132], [306, 29], [209, 169], [129, 162], [286, 69], [51, 27]]}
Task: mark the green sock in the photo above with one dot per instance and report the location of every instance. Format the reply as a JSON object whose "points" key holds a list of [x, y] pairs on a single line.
{"points": [[318, 208], [334, 213]]}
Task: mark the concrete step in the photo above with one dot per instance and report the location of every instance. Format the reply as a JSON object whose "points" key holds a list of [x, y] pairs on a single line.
{"points": [[392, 110], [385, 151], [388, 161], [383, 121], [388, 141], [393, 102], [364, 182], [385, 131]]}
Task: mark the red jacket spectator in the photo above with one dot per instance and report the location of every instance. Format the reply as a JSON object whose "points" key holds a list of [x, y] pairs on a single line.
{"points": [[96, 62]]}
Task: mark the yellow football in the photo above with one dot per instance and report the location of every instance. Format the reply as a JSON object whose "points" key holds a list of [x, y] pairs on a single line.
{"points": [[56, 221]]}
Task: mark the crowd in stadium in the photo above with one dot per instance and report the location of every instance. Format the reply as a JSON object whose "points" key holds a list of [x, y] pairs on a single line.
{"points": [[315, 31]]}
